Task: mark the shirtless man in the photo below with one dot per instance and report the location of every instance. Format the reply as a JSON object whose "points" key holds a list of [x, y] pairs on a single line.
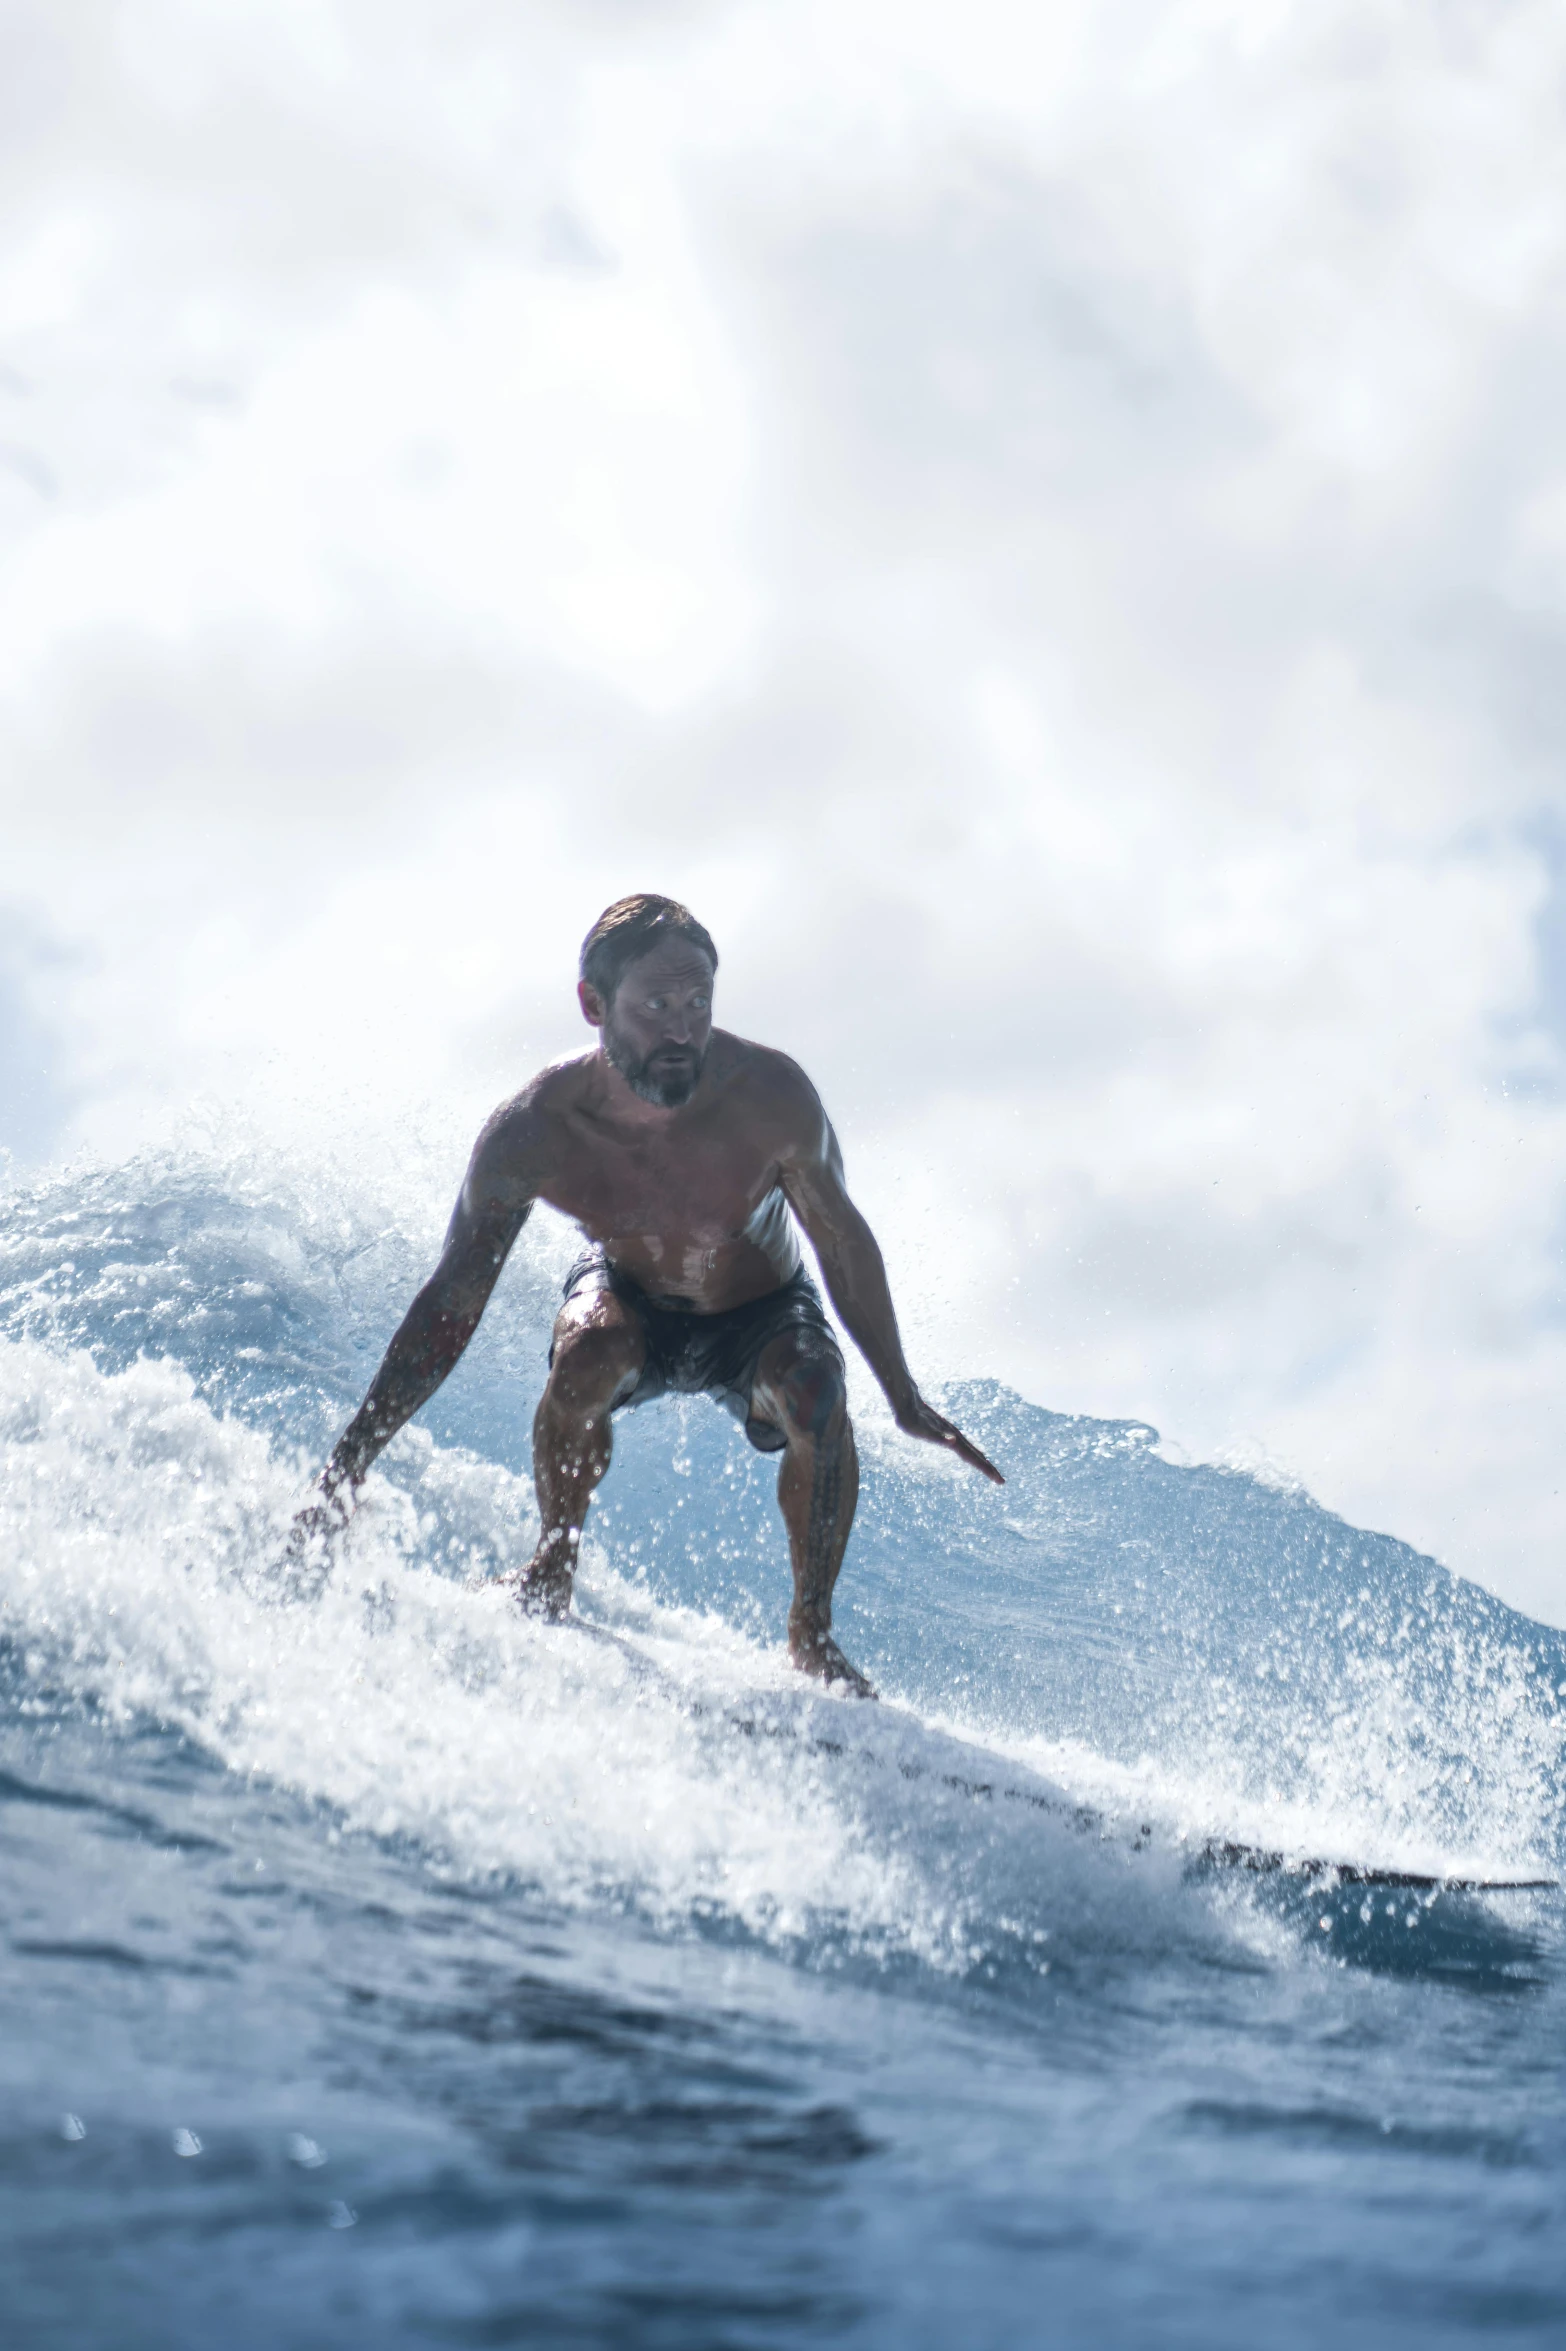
{"points": [[680, 1151]]}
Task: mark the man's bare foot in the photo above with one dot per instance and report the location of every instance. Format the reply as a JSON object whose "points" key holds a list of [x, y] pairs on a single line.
{"points": [[819, 1655], [543, 1587]]}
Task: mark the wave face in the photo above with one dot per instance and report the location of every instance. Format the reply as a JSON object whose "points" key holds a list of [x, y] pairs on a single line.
{"points": [[605, 1983]]}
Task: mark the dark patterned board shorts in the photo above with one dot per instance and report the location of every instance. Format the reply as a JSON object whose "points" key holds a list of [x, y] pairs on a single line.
{"points": [[711, 1354]]}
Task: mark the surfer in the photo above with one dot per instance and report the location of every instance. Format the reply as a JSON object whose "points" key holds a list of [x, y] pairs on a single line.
{"points": [[684, 1155]]}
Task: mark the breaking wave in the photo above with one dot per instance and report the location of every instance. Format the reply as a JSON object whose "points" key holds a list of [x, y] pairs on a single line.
{"points": [[1111, 1667]]}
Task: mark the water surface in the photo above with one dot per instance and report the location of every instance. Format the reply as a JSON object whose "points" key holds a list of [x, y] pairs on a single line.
{"points": [[379, 1967]]}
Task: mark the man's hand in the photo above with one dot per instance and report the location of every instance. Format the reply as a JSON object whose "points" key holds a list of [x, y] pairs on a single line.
{"points": [[316, 1532], [918, 1419]]}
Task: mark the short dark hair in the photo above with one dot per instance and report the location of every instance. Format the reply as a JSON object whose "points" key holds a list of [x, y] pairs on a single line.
{"points": [[627, 929]]}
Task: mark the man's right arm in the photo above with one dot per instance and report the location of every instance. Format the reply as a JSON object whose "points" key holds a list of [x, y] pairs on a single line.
{"points": [[495, 1201]]}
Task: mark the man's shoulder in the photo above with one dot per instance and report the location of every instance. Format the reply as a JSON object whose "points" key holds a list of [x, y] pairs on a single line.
{"points": [[764, 1077], [524, 1122]]}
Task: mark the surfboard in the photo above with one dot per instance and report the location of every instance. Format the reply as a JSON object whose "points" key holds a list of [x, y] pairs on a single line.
{"points": [[796, 1716], [1216, 1852]]}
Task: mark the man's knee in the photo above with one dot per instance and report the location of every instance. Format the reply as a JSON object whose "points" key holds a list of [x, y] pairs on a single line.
{"points": [[813, 1394], [592, 1362]]}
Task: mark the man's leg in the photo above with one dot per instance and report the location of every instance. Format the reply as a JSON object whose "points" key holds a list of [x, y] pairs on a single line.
{"points": [[800, 1388], [598, 1352]]}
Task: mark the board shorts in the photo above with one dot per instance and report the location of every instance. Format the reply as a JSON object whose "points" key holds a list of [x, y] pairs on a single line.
{"points": [[712, 1355]]}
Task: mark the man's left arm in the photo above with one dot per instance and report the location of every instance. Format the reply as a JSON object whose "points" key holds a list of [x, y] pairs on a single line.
{"points": [[855, 1275]]}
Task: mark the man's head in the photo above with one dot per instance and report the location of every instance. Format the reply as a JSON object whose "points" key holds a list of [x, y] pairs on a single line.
{"points": [[646, 983]]}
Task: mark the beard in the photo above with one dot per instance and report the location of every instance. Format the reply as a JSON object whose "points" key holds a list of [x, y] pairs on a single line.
{"points": [[667, 1077]]}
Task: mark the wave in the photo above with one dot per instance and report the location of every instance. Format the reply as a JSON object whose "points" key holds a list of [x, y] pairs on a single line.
{"points": [[1159, 1654]]}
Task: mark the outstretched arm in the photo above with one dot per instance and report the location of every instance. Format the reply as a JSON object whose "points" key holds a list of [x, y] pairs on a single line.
{"points": [[492, 1207], [855, 1275]]}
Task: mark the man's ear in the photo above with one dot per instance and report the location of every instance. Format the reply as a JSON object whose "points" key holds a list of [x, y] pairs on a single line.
{"points": [[594, 1010]]}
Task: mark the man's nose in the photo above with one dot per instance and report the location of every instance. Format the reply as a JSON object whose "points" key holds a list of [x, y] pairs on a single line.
{"points": [[677, 1028]]}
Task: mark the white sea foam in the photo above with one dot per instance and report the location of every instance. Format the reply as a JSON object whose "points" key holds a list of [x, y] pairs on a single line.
{"points": [[661, 1763], [667, 1763]]}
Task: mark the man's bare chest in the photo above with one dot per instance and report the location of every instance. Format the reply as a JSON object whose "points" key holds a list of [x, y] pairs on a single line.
{"points": [[705, 1186]]}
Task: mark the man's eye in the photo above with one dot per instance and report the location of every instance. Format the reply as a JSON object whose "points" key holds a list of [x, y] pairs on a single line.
{"points": [[699, 1003]]}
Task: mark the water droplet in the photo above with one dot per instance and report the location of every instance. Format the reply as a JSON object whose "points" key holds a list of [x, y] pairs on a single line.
{"points": [[72, 2127], [340, 2216], [309, 2154], [186, 2143]]}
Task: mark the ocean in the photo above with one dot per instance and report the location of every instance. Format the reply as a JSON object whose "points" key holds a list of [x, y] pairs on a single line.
{"points": [[381, 1968]]}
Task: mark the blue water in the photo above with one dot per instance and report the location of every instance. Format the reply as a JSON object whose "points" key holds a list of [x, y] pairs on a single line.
{"points": [[383, 1969]]}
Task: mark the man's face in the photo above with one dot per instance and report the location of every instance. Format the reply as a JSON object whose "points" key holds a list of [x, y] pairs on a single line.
{"points": [[658, 1026]]}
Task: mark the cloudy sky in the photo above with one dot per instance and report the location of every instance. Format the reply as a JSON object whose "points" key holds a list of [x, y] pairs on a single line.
{"points": [[1046, 521]]}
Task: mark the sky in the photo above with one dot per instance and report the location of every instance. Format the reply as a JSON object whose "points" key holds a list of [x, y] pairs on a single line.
{"points": [[1045, 523]]}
